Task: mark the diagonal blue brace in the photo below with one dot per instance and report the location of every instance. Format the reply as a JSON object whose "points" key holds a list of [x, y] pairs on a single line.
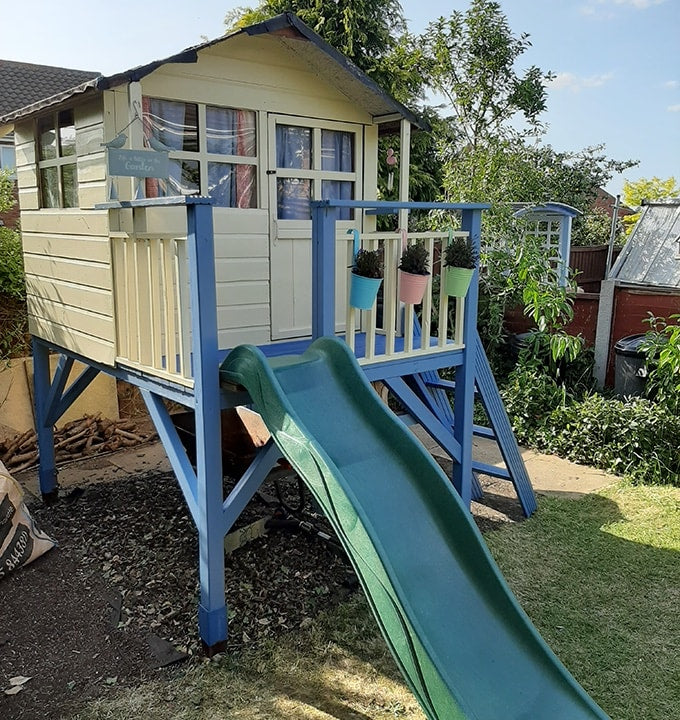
{"points": [[250, 481], [500, 422], [438, 403], [51, 402], [186, 477], [430, 422]]}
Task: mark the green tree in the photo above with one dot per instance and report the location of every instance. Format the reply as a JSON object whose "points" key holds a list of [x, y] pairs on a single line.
{"points": [[634, 192], [469, 58]]}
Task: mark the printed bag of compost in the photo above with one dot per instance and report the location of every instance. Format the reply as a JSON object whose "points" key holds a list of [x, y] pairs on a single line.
{"points": [[21, 541]]}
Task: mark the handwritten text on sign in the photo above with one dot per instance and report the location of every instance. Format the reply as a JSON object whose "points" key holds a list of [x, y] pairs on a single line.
{"points": [[138, 163]]}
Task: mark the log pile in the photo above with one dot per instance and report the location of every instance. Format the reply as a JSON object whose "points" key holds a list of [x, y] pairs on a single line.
{"points": [[76, 439]]}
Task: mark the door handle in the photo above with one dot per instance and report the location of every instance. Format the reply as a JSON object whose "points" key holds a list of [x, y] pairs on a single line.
{"points": [[271, 172]]}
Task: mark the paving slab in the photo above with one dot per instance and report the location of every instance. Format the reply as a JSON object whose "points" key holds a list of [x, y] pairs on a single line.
{"points": [[549, 474]]}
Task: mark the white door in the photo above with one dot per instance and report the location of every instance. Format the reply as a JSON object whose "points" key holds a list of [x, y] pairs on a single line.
{"points": [[308, 160]]}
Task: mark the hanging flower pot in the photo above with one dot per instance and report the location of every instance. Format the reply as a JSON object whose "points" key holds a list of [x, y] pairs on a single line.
{"points": [[412, 287], [367, 274], [363, 291], [460, 259], [413, 272], [457, 281]]}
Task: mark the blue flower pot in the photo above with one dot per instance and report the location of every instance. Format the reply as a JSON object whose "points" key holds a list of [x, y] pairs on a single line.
{"points": [[363, 291]]}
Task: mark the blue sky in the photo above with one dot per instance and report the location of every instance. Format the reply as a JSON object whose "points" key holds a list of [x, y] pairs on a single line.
{"points": [[617, 61]]}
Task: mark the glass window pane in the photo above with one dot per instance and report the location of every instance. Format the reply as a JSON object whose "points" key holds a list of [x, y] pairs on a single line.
{"points": [[230, 132], [47, 140], [7, 158], [183, 179], [293, 147], [49, 187], [232, 185], [69, 185], [174, 124], [339, 190], [337, 151], [293, 198], [67, 133]]}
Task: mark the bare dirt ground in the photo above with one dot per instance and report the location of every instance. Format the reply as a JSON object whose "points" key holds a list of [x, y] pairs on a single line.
{"points": [[116, 602]]}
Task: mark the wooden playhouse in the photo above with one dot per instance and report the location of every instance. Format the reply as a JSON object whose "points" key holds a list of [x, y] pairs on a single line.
{"points": [[272, 142]]}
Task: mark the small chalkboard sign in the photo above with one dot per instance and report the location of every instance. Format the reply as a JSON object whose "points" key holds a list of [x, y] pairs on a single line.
{"points": [[138, 163]]}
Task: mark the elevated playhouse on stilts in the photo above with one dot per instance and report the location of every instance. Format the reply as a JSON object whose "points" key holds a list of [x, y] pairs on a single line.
{"points": [[224, 281]]}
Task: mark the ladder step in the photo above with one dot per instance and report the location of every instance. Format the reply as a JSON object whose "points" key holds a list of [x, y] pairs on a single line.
{"points": [[492, 470]]}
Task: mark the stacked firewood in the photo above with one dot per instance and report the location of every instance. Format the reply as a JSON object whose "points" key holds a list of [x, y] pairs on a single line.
{"points": [[75, 439]]}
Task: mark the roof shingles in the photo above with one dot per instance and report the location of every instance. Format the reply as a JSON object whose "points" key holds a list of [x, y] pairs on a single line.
{"points": [[23, 84]]}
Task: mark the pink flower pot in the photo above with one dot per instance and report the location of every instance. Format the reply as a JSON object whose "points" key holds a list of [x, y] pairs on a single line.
{"points": [[412, 287]]}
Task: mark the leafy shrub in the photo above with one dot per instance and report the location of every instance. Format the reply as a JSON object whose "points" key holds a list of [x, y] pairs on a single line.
{"points": [[368, 263], [11, 264], [636, 437], [415, 259], [662, 349], [460, 253]]}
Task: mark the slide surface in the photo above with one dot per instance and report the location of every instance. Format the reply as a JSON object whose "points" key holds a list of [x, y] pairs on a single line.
{"points": [[463, 644]]}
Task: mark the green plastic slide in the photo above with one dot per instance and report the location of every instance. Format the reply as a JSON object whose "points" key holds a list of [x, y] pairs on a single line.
{"points": [[461, 640]]}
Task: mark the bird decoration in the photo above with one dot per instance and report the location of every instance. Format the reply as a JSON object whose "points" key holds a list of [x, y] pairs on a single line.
{"points": [[157, 145], [116, 143]]}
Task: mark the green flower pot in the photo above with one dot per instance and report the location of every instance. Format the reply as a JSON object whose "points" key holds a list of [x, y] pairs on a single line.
{"points": [[457, 281]]}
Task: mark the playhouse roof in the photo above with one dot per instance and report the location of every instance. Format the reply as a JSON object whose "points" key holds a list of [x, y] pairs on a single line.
{"points": [[651, 257], [330, 65]]}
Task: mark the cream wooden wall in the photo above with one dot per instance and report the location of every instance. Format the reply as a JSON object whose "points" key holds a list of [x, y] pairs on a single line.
{"points": [[257, 74], [66, 252]]}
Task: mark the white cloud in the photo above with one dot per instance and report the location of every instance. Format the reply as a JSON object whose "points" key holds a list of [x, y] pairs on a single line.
{"points": [[671, 84], [673, 108], [599, 7], [569, 81], [639, 4]]}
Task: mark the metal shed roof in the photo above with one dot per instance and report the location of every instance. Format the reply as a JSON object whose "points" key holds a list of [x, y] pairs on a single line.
{"points": [[651, 257], [329, 64]]}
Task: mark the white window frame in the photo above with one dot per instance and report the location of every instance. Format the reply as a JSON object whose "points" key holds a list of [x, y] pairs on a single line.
{"points": [[204, 157], [316, 174], [58, 162]]}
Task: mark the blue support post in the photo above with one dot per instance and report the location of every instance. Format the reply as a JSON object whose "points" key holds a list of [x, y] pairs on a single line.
{"points": [[463, 404], [323, 269], [47, 472], [212, 611]]}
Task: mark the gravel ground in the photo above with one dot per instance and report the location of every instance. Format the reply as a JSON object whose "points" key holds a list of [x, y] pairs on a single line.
{"points": [[88, 615], [118, 598]]}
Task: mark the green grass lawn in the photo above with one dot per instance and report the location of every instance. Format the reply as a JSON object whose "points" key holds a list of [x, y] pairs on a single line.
{"points": [[599, 576]]}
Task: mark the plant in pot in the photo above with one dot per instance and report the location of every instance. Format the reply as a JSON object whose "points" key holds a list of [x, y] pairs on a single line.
{"points": [[367, 274], [460, 259], [414, 273]]}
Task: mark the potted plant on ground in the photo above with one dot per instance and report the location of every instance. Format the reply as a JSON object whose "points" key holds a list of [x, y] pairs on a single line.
{"points": [[414, 273], [367, 274], [460, 259]]}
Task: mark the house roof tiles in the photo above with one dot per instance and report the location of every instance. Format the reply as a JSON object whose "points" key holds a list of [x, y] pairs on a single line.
{"points": [[23, 84]]}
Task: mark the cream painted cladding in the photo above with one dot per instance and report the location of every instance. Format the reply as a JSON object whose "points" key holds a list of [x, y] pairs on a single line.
{"points": [[259, 258], [66, 251]]}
